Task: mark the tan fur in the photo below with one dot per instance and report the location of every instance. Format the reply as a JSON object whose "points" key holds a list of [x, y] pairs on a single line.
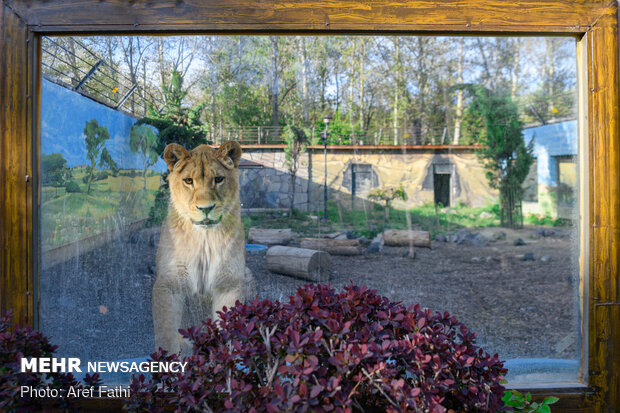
{"points": [[201, 253]]}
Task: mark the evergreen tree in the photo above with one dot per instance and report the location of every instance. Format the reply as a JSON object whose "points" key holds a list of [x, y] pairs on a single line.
{"points": [[175, 122], [503, 152]]}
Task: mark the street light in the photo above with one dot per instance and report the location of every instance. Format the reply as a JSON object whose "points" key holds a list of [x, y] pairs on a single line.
{"points": [[326, 120]]}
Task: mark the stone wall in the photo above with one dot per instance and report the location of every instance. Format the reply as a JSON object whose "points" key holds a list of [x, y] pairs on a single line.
{"points": [[351, 175]]}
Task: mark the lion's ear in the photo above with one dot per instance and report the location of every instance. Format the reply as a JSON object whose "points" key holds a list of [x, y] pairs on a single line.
{"points": [[229, 154], [173, 154]]}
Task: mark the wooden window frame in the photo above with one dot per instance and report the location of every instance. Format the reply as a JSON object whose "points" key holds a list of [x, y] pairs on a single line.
{"points": [[593, 23]]}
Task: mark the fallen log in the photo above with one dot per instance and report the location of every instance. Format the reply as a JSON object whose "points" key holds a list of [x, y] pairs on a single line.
{"points": [[270, 236], [333, 246], [303, 263], [404, 238]]}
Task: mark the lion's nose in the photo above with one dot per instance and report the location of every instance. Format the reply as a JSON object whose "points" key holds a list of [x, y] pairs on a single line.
{"points": [[206, 209]]}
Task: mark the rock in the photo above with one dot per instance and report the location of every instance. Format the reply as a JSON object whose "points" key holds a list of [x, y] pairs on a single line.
{"points": [[376, 245], [488, 259], [476, 259], [547, 232], [529, 256], [364, 240], [440, 238], [410, 254], [491, 235], [545, 258], [342, 236], [152, 269], [468, 238], [485, 214], [519, 241], [460, 236]]}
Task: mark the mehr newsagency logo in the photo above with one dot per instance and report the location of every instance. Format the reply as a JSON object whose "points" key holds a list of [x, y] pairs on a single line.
{"points": [[74, 365]]}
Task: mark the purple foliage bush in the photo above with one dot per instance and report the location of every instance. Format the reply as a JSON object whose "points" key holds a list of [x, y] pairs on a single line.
{"points": [[328, 351], [26, 342]]}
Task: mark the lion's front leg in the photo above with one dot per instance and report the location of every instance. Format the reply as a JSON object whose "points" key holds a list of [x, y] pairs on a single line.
{"points": [[167, 315], [225, 298]]}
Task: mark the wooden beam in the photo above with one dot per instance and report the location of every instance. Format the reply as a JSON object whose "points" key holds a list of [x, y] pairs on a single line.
{"points": [[16, 288], [524, 16], [604, 142]]}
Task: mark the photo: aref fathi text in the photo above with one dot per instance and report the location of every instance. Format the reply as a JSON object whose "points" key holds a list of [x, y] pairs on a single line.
{"points": [[116, 391]]}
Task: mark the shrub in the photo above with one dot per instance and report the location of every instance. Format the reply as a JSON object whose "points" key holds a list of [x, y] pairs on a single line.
{"points": [[348, 351], [72, 186], [26, 342]]}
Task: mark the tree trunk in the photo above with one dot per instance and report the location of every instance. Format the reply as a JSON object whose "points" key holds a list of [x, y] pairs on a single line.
{"points": [[405, 238], [304, 81], [270, 236], [292, 205], [333, 246], [515, 69], [144, 176], [302, 263], [274, 82], [90, 177], [459, 94], [398, 69], [550, 74]]}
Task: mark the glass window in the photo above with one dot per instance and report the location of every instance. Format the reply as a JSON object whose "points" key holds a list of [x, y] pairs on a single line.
{"points": [[473, 140]]}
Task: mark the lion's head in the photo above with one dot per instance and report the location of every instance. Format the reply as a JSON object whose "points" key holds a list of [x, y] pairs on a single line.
{"points": [[204, 183]]}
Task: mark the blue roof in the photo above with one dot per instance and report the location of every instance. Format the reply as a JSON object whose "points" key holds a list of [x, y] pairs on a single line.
{"points": [[556, 139]]}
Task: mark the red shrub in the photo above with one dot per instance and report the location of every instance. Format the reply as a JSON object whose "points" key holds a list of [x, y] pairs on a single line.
{"points": [[26, 342], [325, 351]]}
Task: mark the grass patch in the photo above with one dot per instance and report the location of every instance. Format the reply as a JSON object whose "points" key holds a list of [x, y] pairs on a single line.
{"points": [[371, 220], [114, 201]]}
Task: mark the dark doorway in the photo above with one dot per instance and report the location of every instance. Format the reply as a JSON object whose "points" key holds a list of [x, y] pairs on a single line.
{"points": [[441, 184]]}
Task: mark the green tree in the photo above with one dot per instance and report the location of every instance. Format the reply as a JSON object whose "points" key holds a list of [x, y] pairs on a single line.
{"points": [[95, 137], [54, 170], [387, 195], [176, 123], [142, 140], [297, 141], [503, 152]]}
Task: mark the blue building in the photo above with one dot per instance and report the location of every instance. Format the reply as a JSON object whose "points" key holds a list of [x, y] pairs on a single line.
{"points": [[551, 188]]}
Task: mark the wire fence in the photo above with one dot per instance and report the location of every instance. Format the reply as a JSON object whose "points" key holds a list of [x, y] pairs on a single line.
{"points": [[269, 135], [75, 66]]}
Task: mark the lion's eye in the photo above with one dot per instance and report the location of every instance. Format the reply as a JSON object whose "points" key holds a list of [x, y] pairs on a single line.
{"points": [[219, 179], [188, 181]]}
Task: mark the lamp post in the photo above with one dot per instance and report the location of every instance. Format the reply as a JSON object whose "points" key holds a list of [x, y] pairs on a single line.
{"points": [[326, 120]]}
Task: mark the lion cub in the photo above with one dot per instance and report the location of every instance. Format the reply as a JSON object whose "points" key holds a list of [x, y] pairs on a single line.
{"points": [[201, 253]]}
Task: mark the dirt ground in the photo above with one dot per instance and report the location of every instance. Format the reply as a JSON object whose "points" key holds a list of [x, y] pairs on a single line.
{"points": [[519, 308], [98, 306]]}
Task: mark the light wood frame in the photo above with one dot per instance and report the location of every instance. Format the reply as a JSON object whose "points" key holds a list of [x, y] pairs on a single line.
{"points": [[593, 23]]}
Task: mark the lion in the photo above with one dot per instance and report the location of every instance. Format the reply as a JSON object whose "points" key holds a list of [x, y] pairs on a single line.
{"points": [[201, 252]]}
